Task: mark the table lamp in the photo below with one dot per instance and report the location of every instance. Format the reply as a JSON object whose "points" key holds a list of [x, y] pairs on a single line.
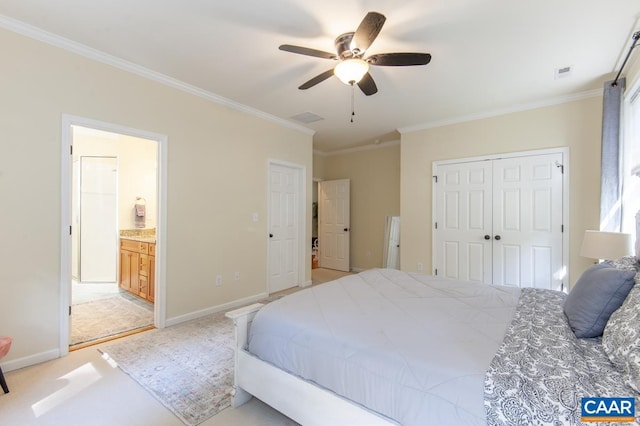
{"points": [[606, 245]]}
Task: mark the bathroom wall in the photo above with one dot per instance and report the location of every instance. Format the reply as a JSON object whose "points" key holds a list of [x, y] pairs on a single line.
{"points": [[137, 169]]}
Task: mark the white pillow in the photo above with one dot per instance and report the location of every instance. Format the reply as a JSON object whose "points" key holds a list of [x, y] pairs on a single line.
{"points": [[621, 337]]}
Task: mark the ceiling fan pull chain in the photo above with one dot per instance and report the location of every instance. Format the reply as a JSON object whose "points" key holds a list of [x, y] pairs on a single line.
{"points": [[353, 113]]}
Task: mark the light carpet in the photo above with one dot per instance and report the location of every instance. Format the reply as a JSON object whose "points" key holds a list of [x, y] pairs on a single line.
{"points": [[187, 367], [107, 317]]}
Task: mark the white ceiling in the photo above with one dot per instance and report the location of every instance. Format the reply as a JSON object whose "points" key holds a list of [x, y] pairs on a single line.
{"points": [[488, 55]]}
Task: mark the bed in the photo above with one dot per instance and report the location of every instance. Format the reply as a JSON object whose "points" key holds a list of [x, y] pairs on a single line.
{"points": [[389, 347]]}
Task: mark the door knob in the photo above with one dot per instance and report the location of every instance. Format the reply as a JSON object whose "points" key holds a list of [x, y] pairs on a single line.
{"points": [[346, 229], [497, 237], [270, 235], [487, 237]]}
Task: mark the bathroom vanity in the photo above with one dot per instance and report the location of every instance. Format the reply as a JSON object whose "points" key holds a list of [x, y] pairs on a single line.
{"points": [[138, 265]]}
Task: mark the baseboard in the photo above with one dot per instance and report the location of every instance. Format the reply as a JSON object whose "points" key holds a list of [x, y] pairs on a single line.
{"points": [[214, 309], [27, 361], [306, 284], [357, 270]]}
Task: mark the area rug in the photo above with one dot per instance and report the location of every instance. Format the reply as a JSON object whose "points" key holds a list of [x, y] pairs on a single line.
{"points": [[187, 367], [107, 317]]}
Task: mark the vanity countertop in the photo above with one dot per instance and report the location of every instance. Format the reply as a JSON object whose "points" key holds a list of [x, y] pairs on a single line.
{"points": [[142, 235], [142, 239]]}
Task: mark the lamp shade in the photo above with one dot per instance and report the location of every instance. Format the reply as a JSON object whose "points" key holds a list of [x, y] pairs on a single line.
{"points": [[351, 71], [606, 245]]}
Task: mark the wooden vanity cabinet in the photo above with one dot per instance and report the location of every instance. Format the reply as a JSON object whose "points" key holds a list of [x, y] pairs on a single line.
{"points": [[137, 268], [129, 260]]}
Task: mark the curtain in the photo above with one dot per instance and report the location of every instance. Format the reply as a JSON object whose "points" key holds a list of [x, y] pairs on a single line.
{"points": [[610, 181]]}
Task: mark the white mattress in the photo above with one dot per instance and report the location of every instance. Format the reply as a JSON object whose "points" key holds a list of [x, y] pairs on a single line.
{"points": [[412, 347]]}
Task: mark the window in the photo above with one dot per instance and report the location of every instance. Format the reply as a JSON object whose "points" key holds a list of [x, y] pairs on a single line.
{"points": [[630, 161]]}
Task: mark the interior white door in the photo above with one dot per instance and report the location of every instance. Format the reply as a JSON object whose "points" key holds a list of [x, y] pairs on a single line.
{"points": [[527, 221], [393, 253], [98, 219], [334, 223], [463, 221], [284, 227], [500, 221]]}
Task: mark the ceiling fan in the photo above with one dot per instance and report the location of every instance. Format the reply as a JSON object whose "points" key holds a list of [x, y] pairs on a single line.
{"points": [[353, 67]]}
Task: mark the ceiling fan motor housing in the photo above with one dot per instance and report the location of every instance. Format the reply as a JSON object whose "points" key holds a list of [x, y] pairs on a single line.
{"points": [[343, 47]]}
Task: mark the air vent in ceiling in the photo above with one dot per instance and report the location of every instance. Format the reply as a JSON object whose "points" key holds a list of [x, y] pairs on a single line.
{"points": [[307, 117], [563, 72]]}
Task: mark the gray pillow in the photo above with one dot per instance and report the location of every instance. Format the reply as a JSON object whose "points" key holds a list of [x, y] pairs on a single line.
{"points": [[599, 291]]}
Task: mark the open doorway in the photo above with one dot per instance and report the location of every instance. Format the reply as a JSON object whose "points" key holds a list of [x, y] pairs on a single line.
{"points": [[113, 208], [112, 173]]}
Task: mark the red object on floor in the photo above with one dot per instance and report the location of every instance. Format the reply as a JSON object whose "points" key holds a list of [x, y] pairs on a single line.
{"points": [[5, 345]]}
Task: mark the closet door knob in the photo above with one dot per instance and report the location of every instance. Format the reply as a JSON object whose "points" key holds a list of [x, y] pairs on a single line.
{"points": [[487, 237], [270, 235], [497, 237]]}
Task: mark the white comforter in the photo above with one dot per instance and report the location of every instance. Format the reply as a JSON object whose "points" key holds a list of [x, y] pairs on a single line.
{"points": [[412, 347]]}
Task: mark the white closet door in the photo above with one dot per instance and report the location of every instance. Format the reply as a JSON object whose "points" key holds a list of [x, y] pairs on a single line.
{"points": [[499, 221], [98, 219], [527, 221], [463, 219]]}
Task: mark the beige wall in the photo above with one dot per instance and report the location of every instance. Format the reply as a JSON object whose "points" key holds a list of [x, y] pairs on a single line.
{"points": [[217, 177], [576, 125], [375, 182], [318, 165]]}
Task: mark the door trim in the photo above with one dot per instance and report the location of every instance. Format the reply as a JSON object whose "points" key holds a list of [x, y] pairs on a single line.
{"points": [[303, 256], [565, 198], [65, 218]]}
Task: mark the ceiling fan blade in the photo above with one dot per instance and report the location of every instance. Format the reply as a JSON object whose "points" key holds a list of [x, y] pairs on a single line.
{"points": [[307, 51], [317, 79], [399, 59], [368, 30], [367, 85]]}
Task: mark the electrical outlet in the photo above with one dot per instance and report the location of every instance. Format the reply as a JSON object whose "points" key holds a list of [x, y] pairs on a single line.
{"points": [[236, 276], [218, 280], [420, 267]]}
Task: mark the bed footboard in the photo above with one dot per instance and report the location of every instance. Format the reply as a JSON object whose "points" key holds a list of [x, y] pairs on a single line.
{"points": [[242, 318]]}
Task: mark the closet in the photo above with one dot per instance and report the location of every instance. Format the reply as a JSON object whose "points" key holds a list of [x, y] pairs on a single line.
{"points": [[499, 220]]}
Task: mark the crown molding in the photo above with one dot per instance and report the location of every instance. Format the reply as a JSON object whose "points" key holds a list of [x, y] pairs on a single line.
{"points": [[356, 149], [471, 117], [504, 111], [35, 33]]}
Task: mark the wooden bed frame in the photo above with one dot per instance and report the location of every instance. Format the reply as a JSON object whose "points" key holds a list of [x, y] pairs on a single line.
{"points": [[302, 401]]}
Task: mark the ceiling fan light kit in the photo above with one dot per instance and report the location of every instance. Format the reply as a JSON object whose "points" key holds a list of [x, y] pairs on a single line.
{"points": [[353, 67], [351, 71]]}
